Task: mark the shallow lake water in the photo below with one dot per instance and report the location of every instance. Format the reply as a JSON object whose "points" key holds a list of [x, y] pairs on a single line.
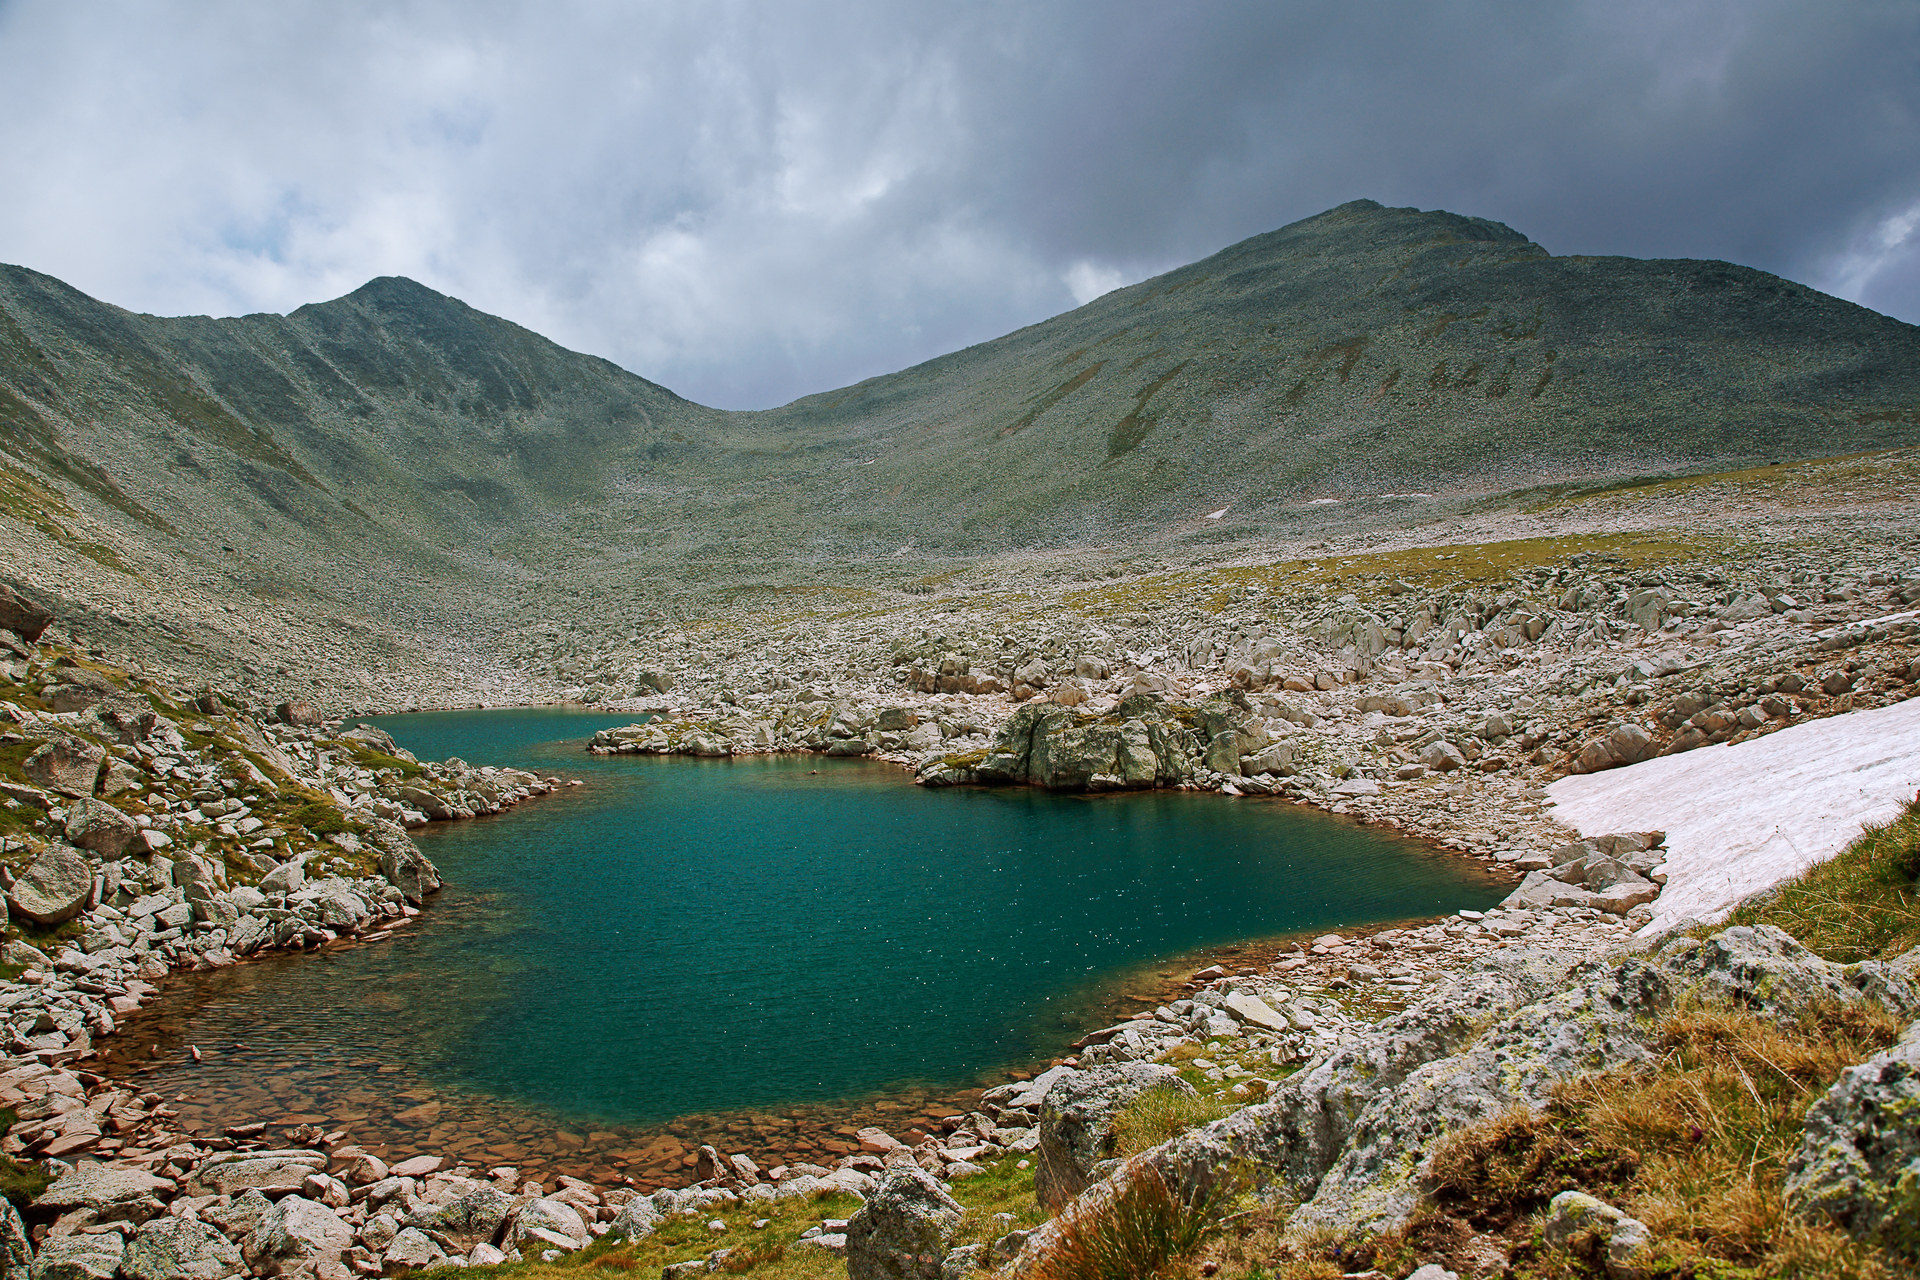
{"points": [[755, 951]]}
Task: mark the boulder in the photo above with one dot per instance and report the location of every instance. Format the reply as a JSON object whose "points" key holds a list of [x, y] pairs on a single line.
{"points": [[1442, 757], [1274, 759], [273, 1174], [413, 1249], [179, 1248], [402, 863], [1223, 752], [300, 714], [53, 888], [1626, 1244], [637, 1219], [104, 1189], [124, 717], [1076, 1123], [16, 1249], [240, 1216], [296, 1236], [365, 1170], [1543, 889], [72, 697], [474, 1217], [548, 1224], [902, 1231], [97, 825], [1251, 1008], [65, 764], [25, 618], [288, 877], [25, 954], [1859, 1159], [79, 1257], [1622, 745], [434, 806]]}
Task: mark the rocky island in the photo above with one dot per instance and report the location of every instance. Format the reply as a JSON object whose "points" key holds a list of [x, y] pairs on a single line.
{"points": [[1381, 513]]}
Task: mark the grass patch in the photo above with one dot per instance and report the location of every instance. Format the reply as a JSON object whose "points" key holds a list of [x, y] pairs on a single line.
{"points": [[371, 758], [49, 938], [1456, 567], [1148, 1229], [20, 1183], [1695, 1145], [24, 498], [774, 1251], [1160, 1115], [321, 818], [1889, 472], [1863, 904]]}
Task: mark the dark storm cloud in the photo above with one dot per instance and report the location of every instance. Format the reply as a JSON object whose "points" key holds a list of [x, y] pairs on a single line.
{"points": [[752, 202]]}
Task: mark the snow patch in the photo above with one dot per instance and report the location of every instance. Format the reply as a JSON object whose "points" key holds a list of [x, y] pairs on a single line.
{"points": [[1743, 818]]}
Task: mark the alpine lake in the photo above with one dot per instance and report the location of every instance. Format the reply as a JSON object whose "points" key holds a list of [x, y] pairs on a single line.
{"points": [[764, 953]]}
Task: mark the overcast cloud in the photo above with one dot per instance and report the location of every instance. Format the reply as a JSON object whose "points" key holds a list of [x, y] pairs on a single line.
{"points": [[751, 202]]}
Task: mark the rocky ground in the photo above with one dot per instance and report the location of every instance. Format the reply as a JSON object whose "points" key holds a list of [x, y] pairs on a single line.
{"points": [[1436, 686]]}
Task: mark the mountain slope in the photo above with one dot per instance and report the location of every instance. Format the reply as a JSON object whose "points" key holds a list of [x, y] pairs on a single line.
{"points": [[1366, 351], [414, 463]]}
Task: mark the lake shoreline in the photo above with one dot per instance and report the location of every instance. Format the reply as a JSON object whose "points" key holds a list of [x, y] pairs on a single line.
{"points": [[866, 1108]]}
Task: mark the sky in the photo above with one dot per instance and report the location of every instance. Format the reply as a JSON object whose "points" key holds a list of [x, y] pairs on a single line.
{"points": [[750, 202]]}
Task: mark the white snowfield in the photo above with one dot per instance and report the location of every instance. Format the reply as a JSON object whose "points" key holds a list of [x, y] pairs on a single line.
{"points": [[1742, 818]]}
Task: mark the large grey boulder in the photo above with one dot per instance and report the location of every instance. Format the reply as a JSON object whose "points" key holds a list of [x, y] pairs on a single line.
{"points": [[239, 1217], [472, 1218], [179, 1248], [270, 1173], [548, 1224], [402, 863], [1623, 744], [413, 1249], [101, 1188], [97, 825], [123, 717], [65, 764], [79, 1257], [1076, 1123], [1859, 1159], [288, 877], [296, 1236], [53, 888], [1142, 744], [902, 1231], [639, 1217], [335, 905], [25, 618], [16, 1250]]}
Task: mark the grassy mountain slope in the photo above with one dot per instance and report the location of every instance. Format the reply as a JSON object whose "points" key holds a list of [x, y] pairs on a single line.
{"points": [[1363, 351], [422, 465]]}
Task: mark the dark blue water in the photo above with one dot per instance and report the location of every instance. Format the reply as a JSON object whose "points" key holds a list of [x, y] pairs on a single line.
{"points": [[678, 936]]}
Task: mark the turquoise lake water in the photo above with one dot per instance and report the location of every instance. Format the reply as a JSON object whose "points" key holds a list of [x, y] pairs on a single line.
{"points": [[678, 936]]}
